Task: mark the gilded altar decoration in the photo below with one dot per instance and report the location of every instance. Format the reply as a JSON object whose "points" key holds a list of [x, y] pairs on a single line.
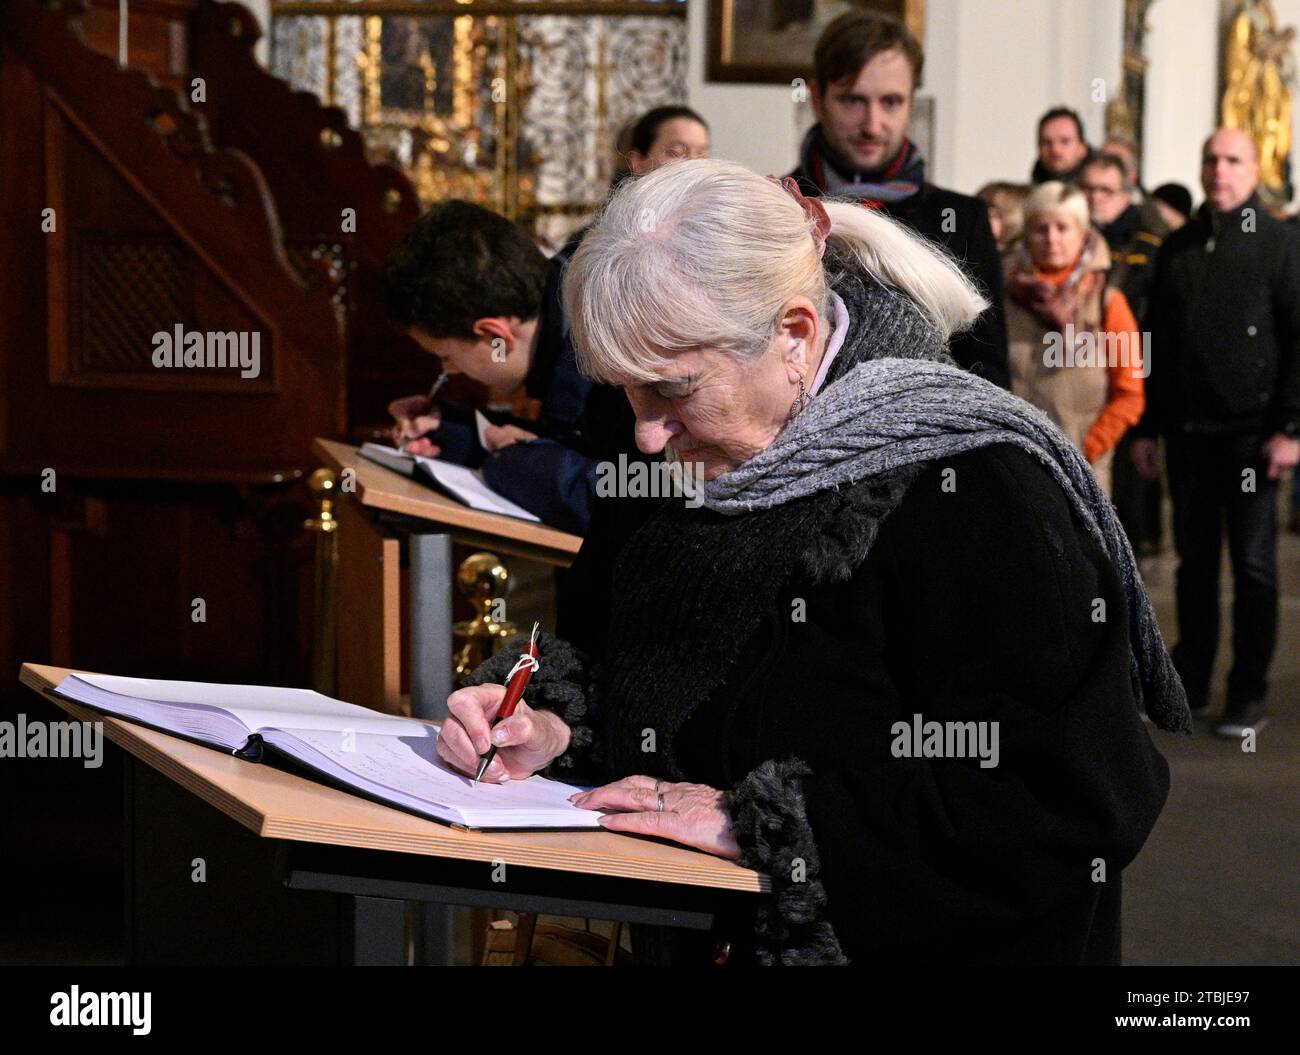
{"points": [[1260, 73], [514, 104], [1124, 112]]}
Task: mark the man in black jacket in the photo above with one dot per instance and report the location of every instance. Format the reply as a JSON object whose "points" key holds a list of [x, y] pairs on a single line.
{"points": [[866, 70], [1106, 183], [1224, 392], [1133, 242]]}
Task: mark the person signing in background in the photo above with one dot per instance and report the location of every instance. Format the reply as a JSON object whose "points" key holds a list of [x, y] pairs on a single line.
{"points": [[473, 290]]}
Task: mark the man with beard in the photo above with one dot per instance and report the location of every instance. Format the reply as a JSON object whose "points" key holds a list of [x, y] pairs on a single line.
{"points": [[866, 71], [1062, 148]]}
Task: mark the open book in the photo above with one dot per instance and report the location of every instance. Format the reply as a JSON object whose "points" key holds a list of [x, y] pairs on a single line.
{"points": [[383, 757], [465, 485]]}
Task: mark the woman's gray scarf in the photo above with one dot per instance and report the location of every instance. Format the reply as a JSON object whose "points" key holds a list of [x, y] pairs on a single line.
{"points": [[885, 413]]}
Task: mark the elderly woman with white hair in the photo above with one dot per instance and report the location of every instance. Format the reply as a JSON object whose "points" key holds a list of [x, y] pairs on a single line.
{"points": [[885, 552], [1072, 342]]}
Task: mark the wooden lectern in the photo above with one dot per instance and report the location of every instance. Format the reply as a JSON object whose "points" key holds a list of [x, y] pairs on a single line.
{"points": [[371, 512], [300, 872]]}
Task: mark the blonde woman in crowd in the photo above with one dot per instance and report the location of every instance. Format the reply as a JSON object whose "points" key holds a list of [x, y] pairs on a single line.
{"points": [[1074, 347]]}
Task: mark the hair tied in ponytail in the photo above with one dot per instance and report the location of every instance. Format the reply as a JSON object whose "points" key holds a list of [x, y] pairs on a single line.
{"points": [[812, 207]]}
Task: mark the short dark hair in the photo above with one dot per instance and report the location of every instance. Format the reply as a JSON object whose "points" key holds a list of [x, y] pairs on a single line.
{"points": [[1109, 161], [1176, 196], [1063, 111], [645, 130], [853, 39], [459, 263]]}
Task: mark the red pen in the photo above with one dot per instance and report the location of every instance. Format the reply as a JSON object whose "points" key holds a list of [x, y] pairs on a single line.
{"points": [[515, 685]]}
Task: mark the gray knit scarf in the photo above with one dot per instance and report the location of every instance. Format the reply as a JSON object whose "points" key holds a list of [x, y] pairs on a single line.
{"points": [[886, 413]]}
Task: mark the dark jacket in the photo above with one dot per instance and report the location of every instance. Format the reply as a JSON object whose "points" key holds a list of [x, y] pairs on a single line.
{"points": [[1134, 241], [908, 860], [771, 654], [582, 423], [960, 224], [1224, 319]]}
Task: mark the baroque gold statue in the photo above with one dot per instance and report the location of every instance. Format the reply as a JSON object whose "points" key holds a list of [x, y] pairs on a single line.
{"points": [[1257, 99]]}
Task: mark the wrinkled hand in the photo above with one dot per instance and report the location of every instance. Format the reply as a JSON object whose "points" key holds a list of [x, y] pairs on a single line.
{"points": [[527, 741], [1146, 458], [497, 436], [1283, 454], [415, 416], [694, 814]]}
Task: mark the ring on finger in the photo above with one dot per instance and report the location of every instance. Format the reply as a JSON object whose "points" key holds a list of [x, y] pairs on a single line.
{"points": [[660, 807]]}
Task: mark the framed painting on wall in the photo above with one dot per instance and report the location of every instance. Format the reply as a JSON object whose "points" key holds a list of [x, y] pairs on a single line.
{"points": [[772, 41]]}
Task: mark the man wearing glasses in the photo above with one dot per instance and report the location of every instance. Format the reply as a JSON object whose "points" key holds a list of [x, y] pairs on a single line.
{"points": [[1133, 244]]}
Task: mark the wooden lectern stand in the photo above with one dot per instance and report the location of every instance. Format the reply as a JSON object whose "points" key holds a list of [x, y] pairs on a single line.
{"points": [[300, 872], [373, 511]]}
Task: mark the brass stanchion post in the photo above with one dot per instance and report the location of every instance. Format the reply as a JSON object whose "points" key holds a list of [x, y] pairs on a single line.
{"points": [[323, 485]]}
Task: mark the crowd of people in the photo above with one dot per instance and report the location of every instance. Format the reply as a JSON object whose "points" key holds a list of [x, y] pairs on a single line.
{"points": [[828, 346], [1186, 329]]}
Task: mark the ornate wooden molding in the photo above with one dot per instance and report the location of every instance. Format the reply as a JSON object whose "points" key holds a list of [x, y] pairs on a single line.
{"points": [[215, 199], [218, 207], [250, 109]]}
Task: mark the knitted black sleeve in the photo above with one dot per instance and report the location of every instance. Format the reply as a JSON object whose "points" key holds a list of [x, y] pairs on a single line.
{"points": [[563, 683], [769, 823]]}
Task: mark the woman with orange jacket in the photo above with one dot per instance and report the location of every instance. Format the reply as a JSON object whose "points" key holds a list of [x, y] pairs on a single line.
{"points": [[1073, 345]]}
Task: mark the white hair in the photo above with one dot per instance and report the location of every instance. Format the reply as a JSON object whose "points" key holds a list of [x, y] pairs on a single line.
{"points": [[704, 254], [1053, 195]]}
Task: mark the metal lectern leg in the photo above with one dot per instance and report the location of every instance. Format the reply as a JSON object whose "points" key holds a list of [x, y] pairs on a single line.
{"points": [[431, 677], [430, 623], [378, 932]]}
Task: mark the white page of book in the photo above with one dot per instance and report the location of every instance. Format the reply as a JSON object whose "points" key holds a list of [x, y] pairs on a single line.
{"points": [[260, 706], [466, 484], [481, 425], [412, 768], [469, 487]]}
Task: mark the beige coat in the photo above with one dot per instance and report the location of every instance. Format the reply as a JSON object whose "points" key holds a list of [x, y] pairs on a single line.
{"points": [[1072, 396]]}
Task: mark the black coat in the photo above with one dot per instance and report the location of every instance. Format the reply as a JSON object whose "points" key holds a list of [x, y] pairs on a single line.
{"points": [[973, 604], [1134, 240], [960, 224], [583, 423], [1224, 320], [587, 416]]}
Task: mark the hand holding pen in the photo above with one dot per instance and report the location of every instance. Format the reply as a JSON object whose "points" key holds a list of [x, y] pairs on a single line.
{"points": [[416, 416], [516, 682], [525, 742]]}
